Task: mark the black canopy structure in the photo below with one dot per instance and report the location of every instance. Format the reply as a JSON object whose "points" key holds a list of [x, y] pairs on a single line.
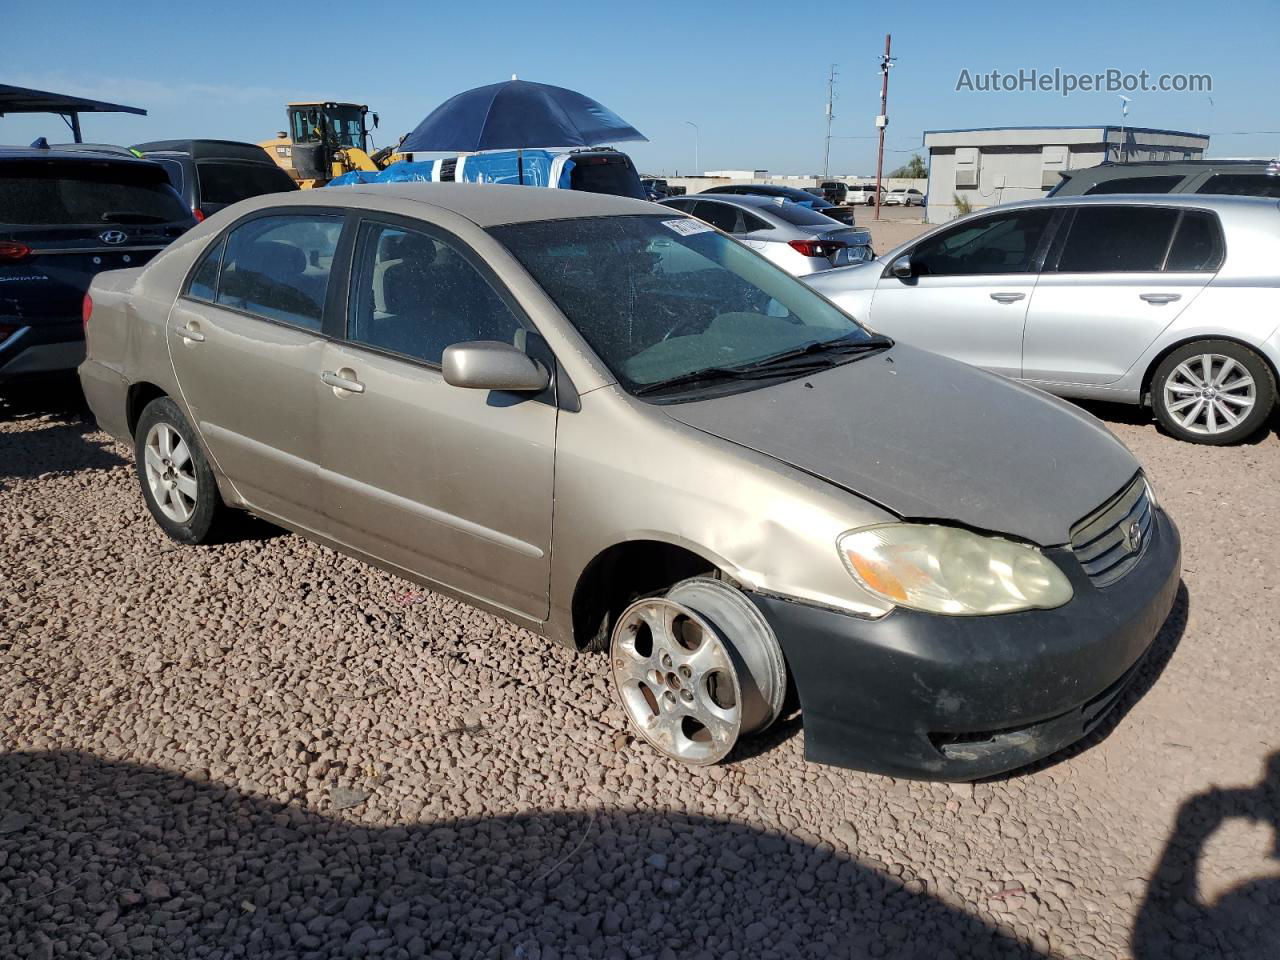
{"points": [[25, 100]]}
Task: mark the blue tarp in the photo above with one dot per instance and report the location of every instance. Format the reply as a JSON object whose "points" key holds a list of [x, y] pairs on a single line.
{"points": [[497, 167], [504, 167], [396, 173]]}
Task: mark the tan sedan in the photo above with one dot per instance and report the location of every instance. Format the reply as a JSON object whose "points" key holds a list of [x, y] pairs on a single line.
{"points": [[616, 426]]}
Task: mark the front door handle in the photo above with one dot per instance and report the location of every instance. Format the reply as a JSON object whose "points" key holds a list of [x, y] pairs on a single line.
{"points": [[1008, 297], [1159, 299], [337, 380], [189, 333]]}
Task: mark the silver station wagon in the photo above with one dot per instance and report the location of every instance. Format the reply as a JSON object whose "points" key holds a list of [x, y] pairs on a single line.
{"points": [[616, 426], [1168, 301]]}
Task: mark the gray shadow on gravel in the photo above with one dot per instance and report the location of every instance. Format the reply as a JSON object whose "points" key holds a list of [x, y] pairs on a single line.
{"points": [[111, 859], [1149, 671], [61, 444], [1244, 923]]}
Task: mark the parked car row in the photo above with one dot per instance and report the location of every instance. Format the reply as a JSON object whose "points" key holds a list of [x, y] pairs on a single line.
{"points": [[751, 491], [1169, 301], [70, 212]]}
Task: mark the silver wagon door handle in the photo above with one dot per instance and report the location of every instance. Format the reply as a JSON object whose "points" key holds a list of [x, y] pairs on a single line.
{"points": [[337, 380], [190, 333], [1159, 299], [1008, 297]]}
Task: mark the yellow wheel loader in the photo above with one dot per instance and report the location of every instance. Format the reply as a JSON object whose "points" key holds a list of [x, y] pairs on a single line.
{"points": [[326, 140]]}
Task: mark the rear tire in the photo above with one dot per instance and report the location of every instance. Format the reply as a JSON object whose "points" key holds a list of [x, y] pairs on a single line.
{"points": [[1215, 392], [177, 482]]}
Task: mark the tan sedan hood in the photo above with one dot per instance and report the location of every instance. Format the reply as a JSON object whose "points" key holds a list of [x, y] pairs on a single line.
{"points": [[932, 439]]}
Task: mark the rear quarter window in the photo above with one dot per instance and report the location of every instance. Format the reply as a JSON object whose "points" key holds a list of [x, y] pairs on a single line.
{"points": [[1135, 185], [230, 181], [1242, 185]]}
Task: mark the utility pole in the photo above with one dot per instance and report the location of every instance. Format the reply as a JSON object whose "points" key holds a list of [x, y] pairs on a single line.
{"points": [[831, 115], [882, 120]]}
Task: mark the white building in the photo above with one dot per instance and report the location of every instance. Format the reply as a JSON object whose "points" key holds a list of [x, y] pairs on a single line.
{"points": [[1002, 164]]}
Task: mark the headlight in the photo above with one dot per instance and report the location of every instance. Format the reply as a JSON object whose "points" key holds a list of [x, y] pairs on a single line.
{"points": [[952, 571]]}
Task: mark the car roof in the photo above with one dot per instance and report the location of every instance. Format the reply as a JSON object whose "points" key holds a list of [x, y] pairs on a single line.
{"points": [[737, 199], [208, 149], [70, 155], [775, 189], [1207, 201], [484, 204]]}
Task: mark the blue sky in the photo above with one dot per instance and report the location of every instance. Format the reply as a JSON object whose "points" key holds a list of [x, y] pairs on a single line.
{"points": [[750, 74]]}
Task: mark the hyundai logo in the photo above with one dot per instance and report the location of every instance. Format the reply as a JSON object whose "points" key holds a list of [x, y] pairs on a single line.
{"points": [[113, 236], [1133, 537]]}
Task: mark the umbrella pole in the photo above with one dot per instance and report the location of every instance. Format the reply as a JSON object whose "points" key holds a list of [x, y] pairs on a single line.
{"points": [[520, 165]]}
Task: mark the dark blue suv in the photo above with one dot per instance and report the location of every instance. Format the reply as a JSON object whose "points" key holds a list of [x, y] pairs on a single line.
{"points": [[65, 216]]}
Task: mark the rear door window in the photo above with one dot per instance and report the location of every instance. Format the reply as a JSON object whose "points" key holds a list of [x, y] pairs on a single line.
{"points": [[1198, 245], [1117, 240], [278, 267], [1135, 185], [44, 192], [722, 216], [1242, 185]]}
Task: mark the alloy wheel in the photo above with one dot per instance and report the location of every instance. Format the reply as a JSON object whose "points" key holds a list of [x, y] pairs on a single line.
{"points": [[677, 681], [696, 669], [170, 472], [1209, 394]]}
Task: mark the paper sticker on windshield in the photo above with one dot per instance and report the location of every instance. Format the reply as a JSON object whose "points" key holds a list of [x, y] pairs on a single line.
{"points": [[687, 227]]}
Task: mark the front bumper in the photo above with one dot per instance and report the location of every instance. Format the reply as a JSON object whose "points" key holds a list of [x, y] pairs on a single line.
{"points": [[42, 349], [959, 698]]}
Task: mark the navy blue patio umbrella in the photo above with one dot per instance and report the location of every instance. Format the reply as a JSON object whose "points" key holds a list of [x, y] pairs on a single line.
{"points": [[514, 115]]}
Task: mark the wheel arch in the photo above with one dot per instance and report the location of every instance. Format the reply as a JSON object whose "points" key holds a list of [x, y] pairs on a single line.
{"points": [[624, 571], [1150, 373], [139, 395]]}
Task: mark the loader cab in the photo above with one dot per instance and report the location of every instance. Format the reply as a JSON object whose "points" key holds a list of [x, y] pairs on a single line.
{"points": [[338, 124]]}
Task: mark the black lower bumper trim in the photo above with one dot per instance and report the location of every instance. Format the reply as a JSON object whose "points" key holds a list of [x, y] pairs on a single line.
{"points": [[960, 698]]}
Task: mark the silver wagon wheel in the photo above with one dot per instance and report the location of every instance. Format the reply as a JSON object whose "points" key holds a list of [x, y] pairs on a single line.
{"points": [[170, 472], [696, 669], [1209, 394]]}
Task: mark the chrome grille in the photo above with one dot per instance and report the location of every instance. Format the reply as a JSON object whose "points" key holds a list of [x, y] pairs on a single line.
{"points": [[1109, 541]]}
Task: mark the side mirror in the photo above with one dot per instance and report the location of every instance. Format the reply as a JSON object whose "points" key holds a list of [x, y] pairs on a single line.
{"points": [[375, 121], [902, 268], [493, 365]]}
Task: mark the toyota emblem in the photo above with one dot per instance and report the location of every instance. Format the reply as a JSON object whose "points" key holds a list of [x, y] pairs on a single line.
{"points": [[1133, 537], [113, 236]]}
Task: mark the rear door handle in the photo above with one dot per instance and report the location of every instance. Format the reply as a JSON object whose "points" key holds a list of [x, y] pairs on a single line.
{"points": [[1160, 298], [340, 382], [1008, 297], [187, 333]]}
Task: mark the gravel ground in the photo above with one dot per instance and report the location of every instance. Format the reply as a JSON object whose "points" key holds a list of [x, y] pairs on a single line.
{"points": [[267, 749]]}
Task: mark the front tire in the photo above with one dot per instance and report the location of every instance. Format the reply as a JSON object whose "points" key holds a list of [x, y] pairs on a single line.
{"points": [[1214, 392], [177, 482], [696, 669]]}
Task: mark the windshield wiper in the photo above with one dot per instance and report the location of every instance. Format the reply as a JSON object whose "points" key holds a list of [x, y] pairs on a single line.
{"points": [[838, 347], [707, 374], [818, 355]]}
